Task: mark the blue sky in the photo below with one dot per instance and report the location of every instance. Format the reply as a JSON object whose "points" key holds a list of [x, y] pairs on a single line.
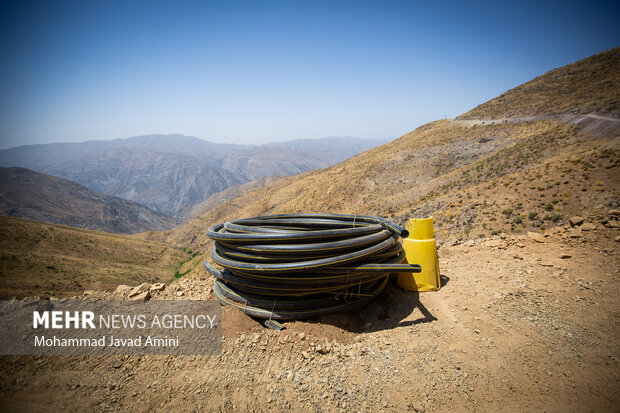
{"points": [[260, 71]]}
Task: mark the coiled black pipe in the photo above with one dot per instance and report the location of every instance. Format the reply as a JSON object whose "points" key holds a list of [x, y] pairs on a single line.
{"points": [[293, 266]]}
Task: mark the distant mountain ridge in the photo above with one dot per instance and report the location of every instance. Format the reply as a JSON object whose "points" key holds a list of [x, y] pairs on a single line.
{"points": [[29, 194], [171, 173], [164, 182]]}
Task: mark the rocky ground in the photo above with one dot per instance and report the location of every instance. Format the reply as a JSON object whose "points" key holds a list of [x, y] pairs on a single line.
{"points": [[521, 323]]}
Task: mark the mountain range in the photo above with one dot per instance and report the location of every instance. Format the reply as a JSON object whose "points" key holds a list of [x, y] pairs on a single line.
{"points": [[172, 173]]}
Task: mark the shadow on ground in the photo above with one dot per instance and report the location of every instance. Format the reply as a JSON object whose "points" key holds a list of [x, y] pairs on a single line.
{"points": [[392, 308]]}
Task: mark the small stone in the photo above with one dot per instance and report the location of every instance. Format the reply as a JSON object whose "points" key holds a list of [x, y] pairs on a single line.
{"points": [[614, 223], [574, 233], [139, 289], [614, 212], [305, 354], [535, 236], [588, 226], [143, 296], [180, 293], [157, 287], [576, 220], [617, 239], [89, 292], [565, 256]]}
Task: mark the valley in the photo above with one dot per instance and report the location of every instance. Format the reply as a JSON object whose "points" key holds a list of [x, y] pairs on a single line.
{"points": [[525, 193]]}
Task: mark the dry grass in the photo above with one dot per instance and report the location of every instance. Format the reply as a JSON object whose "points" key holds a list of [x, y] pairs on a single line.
{"points": [[49, 259], [589, 85]]}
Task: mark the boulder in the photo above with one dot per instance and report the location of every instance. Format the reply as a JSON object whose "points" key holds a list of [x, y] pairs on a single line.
{"points": [[143, 296], [157, 287], [139, 289]]}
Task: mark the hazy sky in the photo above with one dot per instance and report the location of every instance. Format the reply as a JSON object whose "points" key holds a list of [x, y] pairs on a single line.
{"points": [[252, 72]]}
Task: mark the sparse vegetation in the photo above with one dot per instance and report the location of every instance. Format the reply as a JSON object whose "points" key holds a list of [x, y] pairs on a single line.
{"points": [[39, 258]]}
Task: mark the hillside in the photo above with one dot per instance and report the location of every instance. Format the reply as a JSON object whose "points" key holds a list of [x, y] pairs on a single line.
{"points": [[476, 179], [527, 218], [172, 173], [589, 85], [226, 195], [468, 177], [28, 194], [41, 259], [333, 149]]}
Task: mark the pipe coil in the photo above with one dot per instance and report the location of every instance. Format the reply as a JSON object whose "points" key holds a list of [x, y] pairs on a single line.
{"points": [[294, 266]]}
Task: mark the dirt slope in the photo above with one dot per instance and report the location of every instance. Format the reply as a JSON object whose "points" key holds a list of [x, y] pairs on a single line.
{"points": [[55, 260], [514, 328], [588, 85]]}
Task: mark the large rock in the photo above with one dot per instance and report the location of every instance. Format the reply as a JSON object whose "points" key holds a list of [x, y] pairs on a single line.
{"points": [[139, 289], [157, 287], [143, 296], [576, 220]]}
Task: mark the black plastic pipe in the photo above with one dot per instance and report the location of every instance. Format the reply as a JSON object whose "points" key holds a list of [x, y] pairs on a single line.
{"points": [[292, 266]]}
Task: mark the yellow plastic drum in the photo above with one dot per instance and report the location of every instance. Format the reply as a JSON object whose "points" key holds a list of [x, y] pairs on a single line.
{"points": [[420, 248]]}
